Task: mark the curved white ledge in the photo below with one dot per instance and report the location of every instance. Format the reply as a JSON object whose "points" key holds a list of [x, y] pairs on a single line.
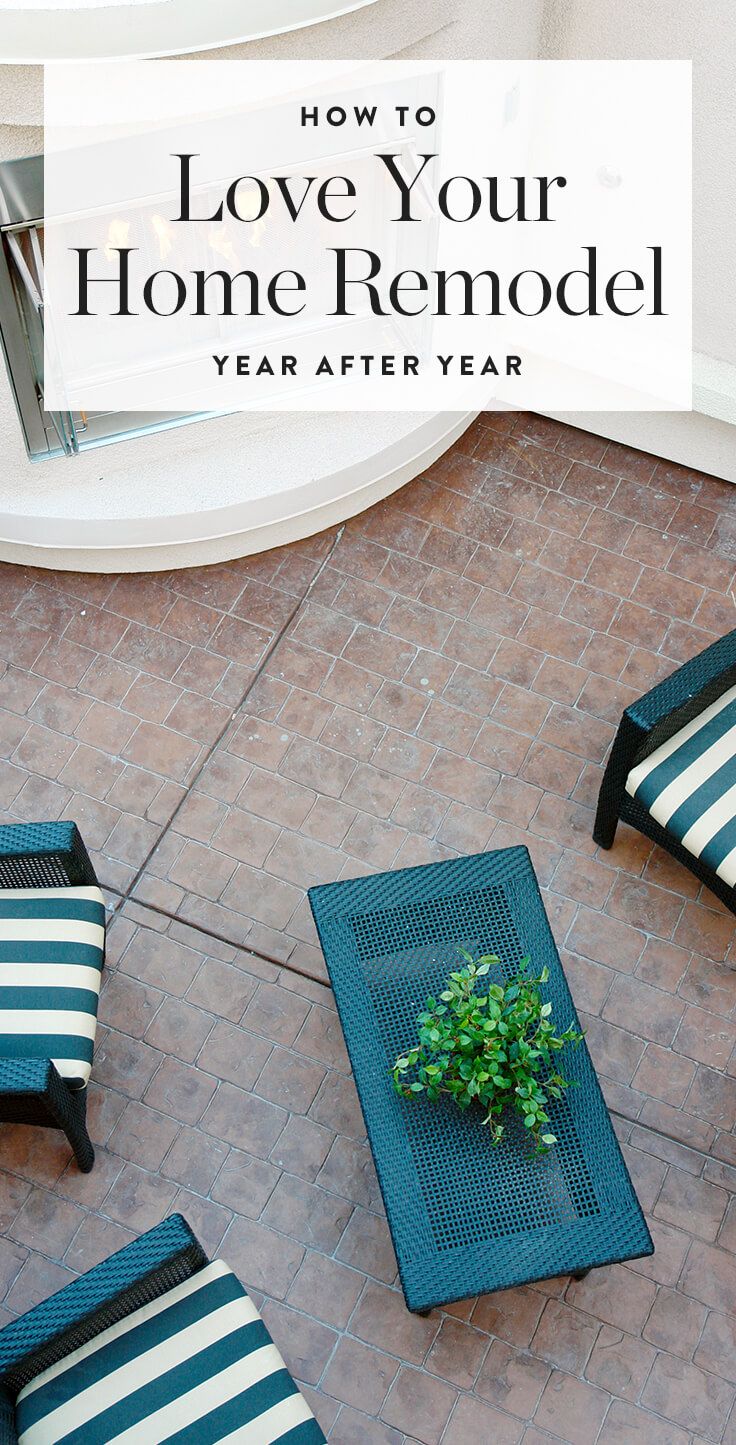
{"points": [[166, 27], [179, 511]]}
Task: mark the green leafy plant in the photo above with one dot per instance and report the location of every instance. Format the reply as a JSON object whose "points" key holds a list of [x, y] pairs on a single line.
{"points": [[493, 1044]]}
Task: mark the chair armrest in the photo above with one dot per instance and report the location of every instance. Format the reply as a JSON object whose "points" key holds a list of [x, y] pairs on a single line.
{"points": [[655, 717], [691, 687], [35, 1078], [27, 1076], [141, 1271], [44, 855]]}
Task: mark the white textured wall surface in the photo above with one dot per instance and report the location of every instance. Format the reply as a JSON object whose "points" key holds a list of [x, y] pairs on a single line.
{"points": [[704, 31], [222, 465], [21, 94], [19, 140], [217, 457], [457, 29]]}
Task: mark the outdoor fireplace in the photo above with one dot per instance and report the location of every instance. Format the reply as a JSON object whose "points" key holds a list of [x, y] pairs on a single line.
{"points": [[165, 355], [231, 483], [47, 433]]}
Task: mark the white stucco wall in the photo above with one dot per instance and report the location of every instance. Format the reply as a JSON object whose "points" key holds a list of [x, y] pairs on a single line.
{"points": [[462, 29], [706, 34], [679, 29], [226, 486]]}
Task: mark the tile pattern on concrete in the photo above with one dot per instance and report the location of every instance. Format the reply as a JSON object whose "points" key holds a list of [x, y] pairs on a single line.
{"points": [[455, 690], [114, 690], [459, 690], [222, 1088]]}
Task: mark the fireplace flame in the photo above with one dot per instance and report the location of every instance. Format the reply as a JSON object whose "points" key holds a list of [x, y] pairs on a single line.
{"points": [[219, 242], [117, 235], [256, 231], [164, 235]]}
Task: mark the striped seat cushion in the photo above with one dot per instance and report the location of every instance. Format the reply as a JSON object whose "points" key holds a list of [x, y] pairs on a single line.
{"points": [[52, 945], [689, 786], [195, 1366]]}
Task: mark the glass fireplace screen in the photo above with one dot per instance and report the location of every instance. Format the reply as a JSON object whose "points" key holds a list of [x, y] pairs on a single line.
{"points": [[46, 433], [51, 432]]}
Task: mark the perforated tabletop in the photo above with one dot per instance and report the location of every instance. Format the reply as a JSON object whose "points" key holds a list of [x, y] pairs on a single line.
{"points": [[467, 1218]]}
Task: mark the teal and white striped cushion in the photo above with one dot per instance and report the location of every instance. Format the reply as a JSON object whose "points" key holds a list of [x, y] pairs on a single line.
{"points": [[52, 945], [195, 1366], [689, 786]]}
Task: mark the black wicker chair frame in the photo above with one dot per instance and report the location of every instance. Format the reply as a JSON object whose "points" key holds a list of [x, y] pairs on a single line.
{"points": [[138, 1273], [647, 724], [44, 855]]}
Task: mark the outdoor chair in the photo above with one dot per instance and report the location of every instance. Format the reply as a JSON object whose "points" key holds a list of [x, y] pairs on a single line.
{"points": [[672, 769], [52, 949], [153, 1344]]}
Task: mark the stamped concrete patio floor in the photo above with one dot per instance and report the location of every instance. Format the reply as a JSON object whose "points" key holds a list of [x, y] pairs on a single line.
{"points": [[443, 676]]}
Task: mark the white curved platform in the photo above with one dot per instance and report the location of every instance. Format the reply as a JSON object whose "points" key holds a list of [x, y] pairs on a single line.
{"points": [[122, 28], [208, 491]]}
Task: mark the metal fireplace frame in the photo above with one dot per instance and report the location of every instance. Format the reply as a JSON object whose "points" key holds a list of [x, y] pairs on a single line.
{"points": [[46, 433], [49, 432]]}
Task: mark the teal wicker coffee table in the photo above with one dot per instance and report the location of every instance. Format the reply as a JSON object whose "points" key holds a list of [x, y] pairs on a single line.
{"points": [[467, 1218]]}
